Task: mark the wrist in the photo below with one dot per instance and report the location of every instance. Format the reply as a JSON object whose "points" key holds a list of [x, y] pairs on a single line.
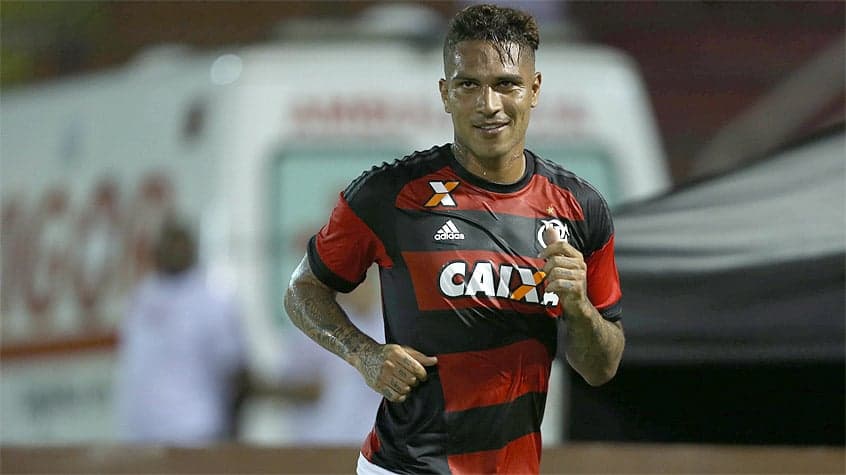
{"points": [[578, 309], [358, 358]]}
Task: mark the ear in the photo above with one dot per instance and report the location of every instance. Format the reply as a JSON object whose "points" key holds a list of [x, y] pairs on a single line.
{"points": [[536, 85], [442, 86]]}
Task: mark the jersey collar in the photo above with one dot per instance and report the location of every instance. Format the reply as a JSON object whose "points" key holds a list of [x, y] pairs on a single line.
{"points": [[465, 175]]}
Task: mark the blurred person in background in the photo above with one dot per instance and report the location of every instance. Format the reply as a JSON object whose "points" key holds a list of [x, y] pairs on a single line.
{"points": [[181, 351], [330, 404], [481, 246]]}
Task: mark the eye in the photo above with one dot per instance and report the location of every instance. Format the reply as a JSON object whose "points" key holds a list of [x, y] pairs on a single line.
{"points": [[505, 84], [466, 84]]}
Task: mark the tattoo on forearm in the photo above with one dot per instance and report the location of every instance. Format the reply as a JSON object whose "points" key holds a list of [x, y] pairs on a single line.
{"points": [[313, 309], [322, 319], [594, 345]]}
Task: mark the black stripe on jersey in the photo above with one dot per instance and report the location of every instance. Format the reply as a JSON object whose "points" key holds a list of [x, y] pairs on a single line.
{"points": [[470, 430], [322, 271], [389, 178], [474, 329], [410, 443], [483, 231], [354, 186]]}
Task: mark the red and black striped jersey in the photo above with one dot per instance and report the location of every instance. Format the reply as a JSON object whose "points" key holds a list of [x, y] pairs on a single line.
{"points": [[461, 280]]}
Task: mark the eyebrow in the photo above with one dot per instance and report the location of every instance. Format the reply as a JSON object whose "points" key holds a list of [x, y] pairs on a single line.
{"points": [[517, 79], [505, 77]]}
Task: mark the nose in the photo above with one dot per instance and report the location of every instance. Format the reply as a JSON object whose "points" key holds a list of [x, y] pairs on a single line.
{"points": [[489, 102]]}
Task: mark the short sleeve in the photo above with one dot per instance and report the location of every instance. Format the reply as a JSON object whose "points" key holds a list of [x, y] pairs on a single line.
{"points": [[340, 253], [603, 280]]}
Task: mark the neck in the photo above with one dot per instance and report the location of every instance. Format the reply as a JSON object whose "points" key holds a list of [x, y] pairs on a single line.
{"points": [[503, 171]]}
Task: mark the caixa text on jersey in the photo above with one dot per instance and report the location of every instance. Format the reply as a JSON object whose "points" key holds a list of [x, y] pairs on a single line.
{"points": [[457, 280]]}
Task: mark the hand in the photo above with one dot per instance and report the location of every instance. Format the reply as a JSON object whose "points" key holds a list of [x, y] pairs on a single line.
{"points": [[566, 272], [394, 370]]}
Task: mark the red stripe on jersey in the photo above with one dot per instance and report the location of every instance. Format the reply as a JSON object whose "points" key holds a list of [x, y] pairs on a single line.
{"points": [[602, 278], [488, 377], [348, 246], [519, 456], [371, 445], [439, 276], [533, 201]]}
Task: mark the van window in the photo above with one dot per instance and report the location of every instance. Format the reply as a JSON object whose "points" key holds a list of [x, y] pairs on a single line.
{"points": [[305, 183]]}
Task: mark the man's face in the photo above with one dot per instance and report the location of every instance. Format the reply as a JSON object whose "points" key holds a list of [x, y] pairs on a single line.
{"points": [[490, 98]]}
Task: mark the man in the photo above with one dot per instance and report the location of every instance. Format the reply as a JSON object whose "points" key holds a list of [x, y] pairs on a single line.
{"points": [[483, 248], [181, 354]]}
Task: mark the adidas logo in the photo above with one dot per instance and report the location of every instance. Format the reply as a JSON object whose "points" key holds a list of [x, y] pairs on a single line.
{"points": [[448, 232]]}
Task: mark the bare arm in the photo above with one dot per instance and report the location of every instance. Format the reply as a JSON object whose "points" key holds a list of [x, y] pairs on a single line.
{"points": [[391, 370], [594, 345], [312, 308]]}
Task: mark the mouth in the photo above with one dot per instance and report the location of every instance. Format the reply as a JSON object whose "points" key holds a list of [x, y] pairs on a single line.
{"points": [[492, 128]]}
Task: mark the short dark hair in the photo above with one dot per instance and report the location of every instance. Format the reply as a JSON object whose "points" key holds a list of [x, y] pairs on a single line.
{"points": [[498, 25], [175, 249]]}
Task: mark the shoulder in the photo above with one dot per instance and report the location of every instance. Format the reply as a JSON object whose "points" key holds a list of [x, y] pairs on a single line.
{"points": [[582, 190], [595, 209], [387, 179]]}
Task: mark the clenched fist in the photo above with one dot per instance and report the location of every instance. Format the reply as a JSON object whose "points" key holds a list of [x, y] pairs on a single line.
{"points": [[566, 272], [394, 370]]}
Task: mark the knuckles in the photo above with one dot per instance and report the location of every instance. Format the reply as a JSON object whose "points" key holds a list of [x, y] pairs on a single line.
{"points": [[562, 273], [555, 262]]}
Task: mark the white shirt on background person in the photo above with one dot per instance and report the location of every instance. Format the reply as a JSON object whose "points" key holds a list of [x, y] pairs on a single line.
{"points": [[180, 347]]}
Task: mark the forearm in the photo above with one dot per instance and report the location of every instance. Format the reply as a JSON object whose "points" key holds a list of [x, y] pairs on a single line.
{"points": [[312, 308], [391, 370], [594, 345]]}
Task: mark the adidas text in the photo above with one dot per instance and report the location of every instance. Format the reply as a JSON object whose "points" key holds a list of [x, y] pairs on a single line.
{"points": [[448, 232], [445, 236]]}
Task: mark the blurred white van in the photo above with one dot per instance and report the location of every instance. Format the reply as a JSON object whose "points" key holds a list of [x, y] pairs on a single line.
{"points": [[253, 144]]}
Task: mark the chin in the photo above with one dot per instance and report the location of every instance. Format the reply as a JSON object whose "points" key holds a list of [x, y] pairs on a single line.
{"points": [[488, 152]]}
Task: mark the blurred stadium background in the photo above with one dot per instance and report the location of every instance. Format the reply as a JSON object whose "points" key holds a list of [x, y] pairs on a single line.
{"points": [[703, 62], [728, 86]]}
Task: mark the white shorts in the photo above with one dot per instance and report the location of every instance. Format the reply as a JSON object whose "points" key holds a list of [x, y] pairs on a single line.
{"points": [[366, 467]]}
